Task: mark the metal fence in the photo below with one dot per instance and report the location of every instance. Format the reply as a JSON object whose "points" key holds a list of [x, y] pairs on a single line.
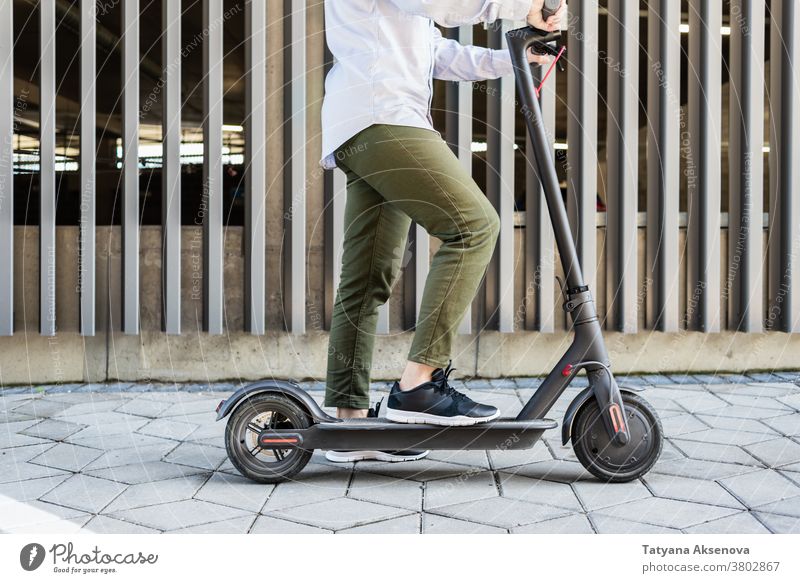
{"points": [[658, 270]]}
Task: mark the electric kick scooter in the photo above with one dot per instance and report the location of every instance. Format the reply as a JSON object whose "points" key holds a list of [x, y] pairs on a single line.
{"points": [[274, 425]]}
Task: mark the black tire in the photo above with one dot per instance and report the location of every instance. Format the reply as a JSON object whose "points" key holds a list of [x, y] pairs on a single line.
{"points": [[612, 463], [241, 439]]}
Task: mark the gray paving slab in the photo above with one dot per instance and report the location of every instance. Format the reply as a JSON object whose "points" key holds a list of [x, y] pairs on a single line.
{"points": [[775, 452], [32, 489], [567, 472], [10, 436], [690, 489], [700, 469], [55, 429], [594, 495], [272, 525], [119, 441], [786, 506], [741, 523], [168, 428], [501, 512], [90, 407], [437, 524], [84, 493], [143, 407], [239, 525], [338, 513], [778, 523], [150, 493], [785, 424], [174, 515], [726, 436], [607, 524], [760, 487], [66, 456], [40, 408], [666, 512], [198, 456], [463, 488], [538, 491], [410, 524], [715, 452], [130, 455], [738, 424], [386, 490], [144, 472], [572, 524], [234, 491], [324, 486], [106, 525]]}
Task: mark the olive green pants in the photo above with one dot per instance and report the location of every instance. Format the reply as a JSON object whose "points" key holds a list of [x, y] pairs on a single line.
{"points": [[396, 174]]}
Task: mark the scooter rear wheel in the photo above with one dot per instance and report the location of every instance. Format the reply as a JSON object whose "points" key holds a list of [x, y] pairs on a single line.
{"points": [[265, 410], [609, 461]]}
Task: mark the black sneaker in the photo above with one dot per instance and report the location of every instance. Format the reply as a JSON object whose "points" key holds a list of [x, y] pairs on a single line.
{"points": [[436, 403], [378, 455]]}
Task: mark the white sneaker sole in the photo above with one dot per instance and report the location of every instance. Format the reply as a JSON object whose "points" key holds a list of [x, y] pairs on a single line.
{"points": [[382, 456], [428, 419]]}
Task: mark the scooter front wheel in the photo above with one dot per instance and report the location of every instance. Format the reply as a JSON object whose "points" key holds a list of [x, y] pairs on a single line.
{"points": [[609, 461], [265, 411]]}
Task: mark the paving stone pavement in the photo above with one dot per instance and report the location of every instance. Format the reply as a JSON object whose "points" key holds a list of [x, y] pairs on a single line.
{"points": [[148, 458]]}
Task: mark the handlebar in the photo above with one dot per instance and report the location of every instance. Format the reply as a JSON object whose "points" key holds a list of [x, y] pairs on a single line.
{"points": [[550, 8]]}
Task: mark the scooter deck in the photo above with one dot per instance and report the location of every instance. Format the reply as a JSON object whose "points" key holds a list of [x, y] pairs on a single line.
{"points": [[372, 434]]}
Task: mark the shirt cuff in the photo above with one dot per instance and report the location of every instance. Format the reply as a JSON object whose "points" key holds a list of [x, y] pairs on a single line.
{"points": [[515, 9], [501, 62]]}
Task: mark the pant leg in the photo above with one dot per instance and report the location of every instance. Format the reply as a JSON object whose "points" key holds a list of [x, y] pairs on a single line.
{"points": [[415, 171], [375, 235]]}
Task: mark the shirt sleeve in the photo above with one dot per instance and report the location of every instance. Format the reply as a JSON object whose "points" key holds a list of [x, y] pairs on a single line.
{"points": [[450, 13], [456, 62]]}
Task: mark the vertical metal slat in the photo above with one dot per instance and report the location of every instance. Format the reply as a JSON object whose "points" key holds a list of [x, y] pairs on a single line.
{"points": [[539, 240], [171, 170], [459, 128], [622, 160], [6, 167], [582, 132], [501, 117], [784, 216], [704, 166], [88, 74], [295, 169], [47, 165], [130, 166], [663, 164], [255, 165], [212, 167], [745, 230]]}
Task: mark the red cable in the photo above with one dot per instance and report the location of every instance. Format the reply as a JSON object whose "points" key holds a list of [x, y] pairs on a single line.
{"points": [[550, 70]]}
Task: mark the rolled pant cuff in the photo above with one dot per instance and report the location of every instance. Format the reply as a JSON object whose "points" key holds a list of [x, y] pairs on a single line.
{"points": [[345, 404], [428, 361]]}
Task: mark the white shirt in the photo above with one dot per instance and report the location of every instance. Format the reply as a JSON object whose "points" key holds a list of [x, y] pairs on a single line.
{"points": [[387, 54]]}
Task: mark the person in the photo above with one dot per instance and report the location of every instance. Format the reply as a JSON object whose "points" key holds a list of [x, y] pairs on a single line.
{"points": [[377, 128]]}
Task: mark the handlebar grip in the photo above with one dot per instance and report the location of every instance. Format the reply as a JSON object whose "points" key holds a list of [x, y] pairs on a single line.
{"points": [[550, 7]]}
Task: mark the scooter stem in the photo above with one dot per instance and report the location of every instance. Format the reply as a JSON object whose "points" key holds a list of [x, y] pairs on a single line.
{"points": [[519, 41]]}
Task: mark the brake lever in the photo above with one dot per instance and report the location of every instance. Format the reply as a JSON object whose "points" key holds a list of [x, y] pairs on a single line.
{"points": [[556, 52]]}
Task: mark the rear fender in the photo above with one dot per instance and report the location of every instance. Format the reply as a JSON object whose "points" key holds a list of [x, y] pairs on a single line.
{"points": [[287, 388]]}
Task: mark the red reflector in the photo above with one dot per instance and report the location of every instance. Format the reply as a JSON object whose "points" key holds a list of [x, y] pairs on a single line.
{"points": [[567, 370], [279, 440]]}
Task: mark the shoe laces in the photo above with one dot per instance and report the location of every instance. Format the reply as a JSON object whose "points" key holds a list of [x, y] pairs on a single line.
{"points": [[444, 387]]}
